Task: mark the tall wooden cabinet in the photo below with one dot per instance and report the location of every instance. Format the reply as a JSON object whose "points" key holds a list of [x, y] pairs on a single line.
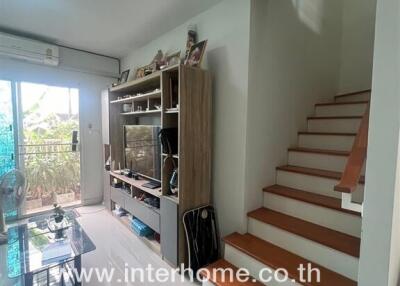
{"points": [[177, 97]]}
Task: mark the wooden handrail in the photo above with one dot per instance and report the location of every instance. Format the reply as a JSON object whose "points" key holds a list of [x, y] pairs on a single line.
{"points": [[352, 172]]}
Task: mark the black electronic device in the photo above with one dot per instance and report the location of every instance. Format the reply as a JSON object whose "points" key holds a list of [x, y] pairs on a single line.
{"points": [[143, 150], [152, 185], [169, 140]]}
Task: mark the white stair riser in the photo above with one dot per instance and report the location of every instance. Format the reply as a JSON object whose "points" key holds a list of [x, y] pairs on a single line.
{"points": [[255, 267], [334, 125], [328, 142], [317, 161], [354, 97], [341, 110], [337, 261], [314, 184], [330, 218]]}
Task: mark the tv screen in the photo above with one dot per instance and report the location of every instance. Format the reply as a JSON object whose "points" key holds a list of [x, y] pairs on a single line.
{"points": [[143, 150]]}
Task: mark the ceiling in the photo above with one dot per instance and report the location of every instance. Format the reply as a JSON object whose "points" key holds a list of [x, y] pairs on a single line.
{"points": [[108, 27]]}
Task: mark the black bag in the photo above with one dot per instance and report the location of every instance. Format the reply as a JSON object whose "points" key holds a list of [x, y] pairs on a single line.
{"points": [[202, 237], [169, 140]]}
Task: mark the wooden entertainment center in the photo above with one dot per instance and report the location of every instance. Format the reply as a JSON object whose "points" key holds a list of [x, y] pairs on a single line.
{"points": [[176, 97]]}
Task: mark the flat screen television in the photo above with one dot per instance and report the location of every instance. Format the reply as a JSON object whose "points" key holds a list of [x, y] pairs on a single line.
{"points": [[143, 150]]}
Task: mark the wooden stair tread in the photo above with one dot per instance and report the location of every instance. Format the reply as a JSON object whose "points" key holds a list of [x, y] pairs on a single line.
{"points": [[325, 236], [218, 278], [327, 133], [353, 93], [333, 117], [315, 172], [276, 257], [308, 197], [320, 151], [342, 103]]}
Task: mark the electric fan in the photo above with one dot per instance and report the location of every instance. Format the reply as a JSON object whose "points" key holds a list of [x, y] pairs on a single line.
{"points": [[12, 191]]}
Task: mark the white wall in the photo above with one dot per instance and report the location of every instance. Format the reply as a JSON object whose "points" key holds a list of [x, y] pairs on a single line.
{"points": [[90, 87], [357, 45], [265, 87], [227, 27], [292, 66], [380, 249]]}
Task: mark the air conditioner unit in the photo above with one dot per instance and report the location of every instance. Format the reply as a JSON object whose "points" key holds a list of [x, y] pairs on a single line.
{"points": [[29, 50]]}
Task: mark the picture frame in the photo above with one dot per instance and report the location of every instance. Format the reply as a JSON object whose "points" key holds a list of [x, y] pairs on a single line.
{"points": [[124, 77], [196, 54]]}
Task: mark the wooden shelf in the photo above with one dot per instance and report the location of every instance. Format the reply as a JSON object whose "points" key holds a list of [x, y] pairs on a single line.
{"points": [[137, 113], [150, 95], [149, 80], [137, 184], [151, 243], [171, 111]]}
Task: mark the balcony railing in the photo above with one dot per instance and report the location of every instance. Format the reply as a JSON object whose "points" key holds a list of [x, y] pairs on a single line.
{"points": [[48, 148], [52, 171]]}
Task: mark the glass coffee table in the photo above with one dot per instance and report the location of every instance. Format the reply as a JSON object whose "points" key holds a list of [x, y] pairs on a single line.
{"points": [[44, 254]]}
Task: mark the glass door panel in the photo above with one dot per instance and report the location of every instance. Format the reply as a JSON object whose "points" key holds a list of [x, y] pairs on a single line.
{"points": [[7, 143], [48, 149]]}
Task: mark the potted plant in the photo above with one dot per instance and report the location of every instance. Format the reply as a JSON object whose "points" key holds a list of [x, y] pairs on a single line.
{"points": [[58, 213], [57, 224]]}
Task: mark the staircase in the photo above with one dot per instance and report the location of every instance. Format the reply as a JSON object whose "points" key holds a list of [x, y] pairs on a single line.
{"points": [[302, 220]]}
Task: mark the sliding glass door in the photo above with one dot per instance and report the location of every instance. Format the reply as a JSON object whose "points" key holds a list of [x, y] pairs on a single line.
{"points": [[48, 148], [39, 134], [7, 142]]}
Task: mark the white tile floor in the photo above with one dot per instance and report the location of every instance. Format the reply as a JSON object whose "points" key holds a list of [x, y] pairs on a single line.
{"points": [[116, 246]]}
